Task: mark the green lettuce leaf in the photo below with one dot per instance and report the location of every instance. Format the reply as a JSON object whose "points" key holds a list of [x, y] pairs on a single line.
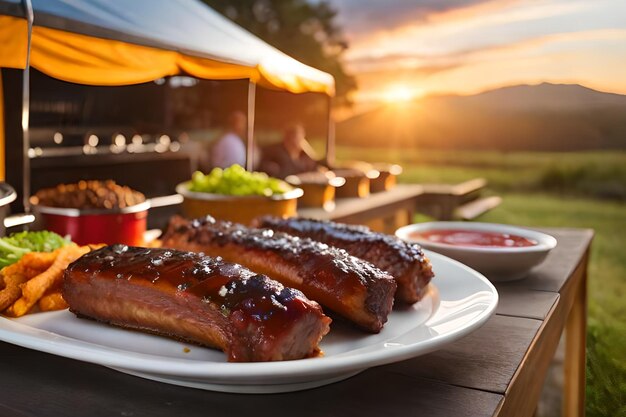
{"points": [[13, 247]]}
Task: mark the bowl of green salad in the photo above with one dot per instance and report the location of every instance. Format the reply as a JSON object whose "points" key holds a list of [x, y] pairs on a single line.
{"points": [[237, 195]]}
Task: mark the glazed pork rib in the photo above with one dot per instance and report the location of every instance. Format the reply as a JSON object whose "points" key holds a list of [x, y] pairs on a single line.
{"points": [[195, 298], [406, 262], [351, 287]]}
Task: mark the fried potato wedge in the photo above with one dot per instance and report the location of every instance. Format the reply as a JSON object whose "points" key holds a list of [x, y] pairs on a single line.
{"points": [[52, 301], [31, 264], [12, 290], [35, 288], [13, 276]]}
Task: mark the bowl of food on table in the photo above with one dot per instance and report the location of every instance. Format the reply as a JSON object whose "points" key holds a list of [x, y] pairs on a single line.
{"points": [[501, 252], [237, 195], [387, 178], [318, 188], [356, 185], [359, 176], [93, 212]]}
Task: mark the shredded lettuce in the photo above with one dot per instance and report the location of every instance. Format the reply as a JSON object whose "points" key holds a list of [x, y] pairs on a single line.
{"points": [[13, 247]]}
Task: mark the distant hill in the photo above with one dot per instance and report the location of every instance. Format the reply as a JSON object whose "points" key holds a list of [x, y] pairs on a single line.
{"points": [[548, 117]]}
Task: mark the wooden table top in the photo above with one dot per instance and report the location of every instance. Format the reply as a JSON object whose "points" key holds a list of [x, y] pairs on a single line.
{"points": [[490, 372]]}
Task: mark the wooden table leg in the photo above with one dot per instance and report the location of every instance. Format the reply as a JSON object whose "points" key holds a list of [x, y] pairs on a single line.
{"points": [[575, 343]]}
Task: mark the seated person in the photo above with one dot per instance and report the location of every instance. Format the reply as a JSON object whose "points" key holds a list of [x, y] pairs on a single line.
{"points": [[230, 148], [292, 155]]}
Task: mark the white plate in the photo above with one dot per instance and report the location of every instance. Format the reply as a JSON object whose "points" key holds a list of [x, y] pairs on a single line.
{"points": [[460, 301], [497, 263]]}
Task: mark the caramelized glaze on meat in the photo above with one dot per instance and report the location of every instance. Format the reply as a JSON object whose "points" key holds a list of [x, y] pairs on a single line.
{"points": [[349, 286], [406, 262], [195, 298]]}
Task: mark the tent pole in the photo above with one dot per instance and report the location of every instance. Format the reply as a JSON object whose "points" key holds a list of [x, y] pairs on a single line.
{"points": [[26, 111], [330, 136], [250, 130]]}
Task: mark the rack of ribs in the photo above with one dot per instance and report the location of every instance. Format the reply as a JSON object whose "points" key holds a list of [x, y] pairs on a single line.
{"points": [[404, 261], [195, 298], [348, 286]]}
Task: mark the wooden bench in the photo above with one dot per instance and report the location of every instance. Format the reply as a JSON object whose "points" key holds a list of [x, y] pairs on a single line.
{"points": [[475, 208], [456, 201]]}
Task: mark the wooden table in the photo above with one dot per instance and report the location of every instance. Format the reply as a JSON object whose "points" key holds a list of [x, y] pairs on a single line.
{"points": [[383, 212], [496, 371]]}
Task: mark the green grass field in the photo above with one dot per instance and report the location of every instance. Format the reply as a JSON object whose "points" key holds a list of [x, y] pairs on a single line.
{"points": [[586, 190], [599, 175]]}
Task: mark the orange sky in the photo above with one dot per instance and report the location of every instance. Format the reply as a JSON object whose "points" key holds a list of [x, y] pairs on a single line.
{"points": [[401, 49]]}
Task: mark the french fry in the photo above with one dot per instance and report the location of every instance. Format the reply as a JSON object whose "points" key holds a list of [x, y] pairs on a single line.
{"points": [[31, 264], [12, 290], [52, 301], [35, 288], [13, 276]]}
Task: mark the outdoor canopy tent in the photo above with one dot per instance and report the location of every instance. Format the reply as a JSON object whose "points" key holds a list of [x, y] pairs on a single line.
{"points": [[119, 42]]}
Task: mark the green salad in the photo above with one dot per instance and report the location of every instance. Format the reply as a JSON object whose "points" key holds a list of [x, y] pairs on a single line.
{"points": [[13, 247], [235, 180]]}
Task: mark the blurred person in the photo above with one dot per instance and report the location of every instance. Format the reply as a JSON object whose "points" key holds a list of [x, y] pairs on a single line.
{"points": [[230, 148], [293, 155]]}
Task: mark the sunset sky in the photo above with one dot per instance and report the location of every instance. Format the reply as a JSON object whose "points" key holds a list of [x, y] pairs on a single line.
{"points": [[401, 49]]}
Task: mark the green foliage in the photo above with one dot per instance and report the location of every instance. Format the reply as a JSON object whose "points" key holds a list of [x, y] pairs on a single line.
{"points": [[599, 180], [13, 247], [304, 30], [606, 373], [235, 180]]}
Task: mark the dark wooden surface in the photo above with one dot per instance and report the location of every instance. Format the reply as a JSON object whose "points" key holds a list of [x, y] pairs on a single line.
{"points": [[67, 388], [497, 370], [484, 360]]}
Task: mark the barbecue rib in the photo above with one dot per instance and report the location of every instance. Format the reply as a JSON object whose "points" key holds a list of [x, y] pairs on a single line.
{"points": [[406, 262], [195, 298], [349, 286]]}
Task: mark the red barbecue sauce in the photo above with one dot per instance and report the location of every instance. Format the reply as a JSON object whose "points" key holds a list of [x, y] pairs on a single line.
{"points": [[473, 238]]}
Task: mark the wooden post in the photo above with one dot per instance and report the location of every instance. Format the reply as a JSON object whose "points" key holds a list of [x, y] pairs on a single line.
{"points": [[330, 136], [250, 130]]}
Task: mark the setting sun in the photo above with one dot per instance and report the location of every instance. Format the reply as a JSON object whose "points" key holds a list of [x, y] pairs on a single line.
{"points": [[400, 93]]}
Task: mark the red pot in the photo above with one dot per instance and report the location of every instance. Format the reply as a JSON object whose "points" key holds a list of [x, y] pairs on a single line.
{"points": [[126, 226]]}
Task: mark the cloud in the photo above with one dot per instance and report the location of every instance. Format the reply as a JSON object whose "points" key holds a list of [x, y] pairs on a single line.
{"points": [[466, 46], [563, 57], [447, 60], [408, 74], [364, 17], [481, 26], [367, 16]]}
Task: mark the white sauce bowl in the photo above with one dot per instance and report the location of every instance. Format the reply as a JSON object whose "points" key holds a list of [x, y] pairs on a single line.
{"points": [[496, 262]]}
